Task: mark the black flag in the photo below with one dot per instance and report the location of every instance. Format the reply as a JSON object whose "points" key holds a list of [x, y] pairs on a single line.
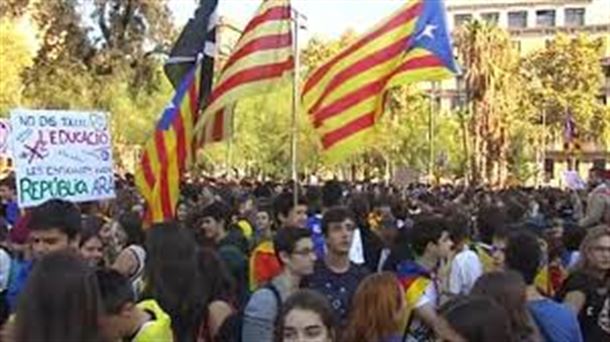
{"points": [[198, 36]]}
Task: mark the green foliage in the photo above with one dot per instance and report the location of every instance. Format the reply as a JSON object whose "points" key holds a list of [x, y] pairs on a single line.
{"points": [[17, 49], [566, 77]]}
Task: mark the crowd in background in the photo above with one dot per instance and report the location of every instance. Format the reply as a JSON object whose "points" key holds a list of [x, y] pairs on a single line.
{"points": [[252, 261]]}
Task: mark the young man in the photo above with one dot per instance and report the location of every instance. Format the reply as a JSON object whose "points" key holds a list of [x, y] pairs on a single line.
{"points": [[230, 243], [336, 276], [54, 225], [287, 213], [466, 267], [263, 261], [556, 322], [294, 249], [125, 320], [431, 244]]}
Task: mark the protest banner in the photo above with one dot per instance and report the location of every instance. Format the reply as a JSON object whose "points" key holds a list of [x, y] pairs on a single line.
{"points": [[5, 133], [61, 154], [573, 180]]}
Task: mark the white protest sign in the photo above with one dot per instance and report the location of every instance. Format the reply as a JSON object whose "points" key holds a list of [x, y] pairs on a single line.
{"points": [[5, 133], [573, 180], [61, 154]]}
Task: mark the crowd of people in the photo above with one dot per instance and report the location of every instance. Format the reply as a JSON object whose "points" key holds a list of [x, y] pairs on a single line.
{"points": [[342, 262]]}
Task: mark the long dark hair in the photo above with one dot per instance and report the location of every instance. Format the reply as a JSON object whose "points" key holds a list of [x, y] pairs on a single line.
{"points": [[478, 319], [61, 302], [173, 278], [508, 290]]}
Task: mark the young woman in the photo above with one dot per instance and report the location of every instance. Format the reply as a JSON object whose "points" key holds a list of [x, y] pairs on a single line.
{"points": [[306, 316], [508, 290], [91, 247], [132, 259], [220, 299], [173, 280], [476, 319], [378, 310], [587, 289], [61, 302]]}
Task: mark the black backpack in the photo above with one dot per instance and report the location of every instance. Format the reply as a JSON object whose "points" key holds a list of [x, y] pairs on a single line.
{"points": [[231, 328]]}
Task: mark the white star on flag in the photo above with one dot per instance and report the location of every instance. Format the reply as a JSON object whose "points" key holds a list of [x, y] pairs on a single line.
{"points": [[428, 31]]}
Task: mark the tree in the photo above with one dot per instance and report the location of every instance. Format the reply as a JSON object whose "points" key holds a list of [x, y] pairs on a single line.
{"points": [[17, 50], [565, 77], [490, 67]]}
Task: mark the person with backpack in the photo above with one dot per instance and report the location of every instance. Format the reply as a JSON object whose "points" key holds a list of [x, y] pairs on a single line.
{"points": [[295, 251]]}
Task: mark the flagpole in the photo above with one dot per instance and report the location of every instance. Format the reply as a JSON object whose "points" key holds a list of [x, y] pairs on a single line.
{"points": [[295, 98]]}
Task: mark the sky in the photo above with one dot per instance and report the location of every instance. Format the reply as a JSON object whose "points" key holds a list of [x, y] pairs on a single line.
{"points": [[325, 18]]}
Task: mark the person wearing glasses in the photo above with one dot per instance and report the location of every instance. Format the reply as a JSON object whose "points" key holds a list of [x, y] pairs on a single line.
{"points": [[295, 251]]}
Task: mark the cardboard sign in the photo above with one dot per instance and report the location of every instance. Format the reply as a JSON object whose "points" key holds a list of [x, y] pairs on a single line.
{"points": [[61, 154], [5, 133], [574, 181]]}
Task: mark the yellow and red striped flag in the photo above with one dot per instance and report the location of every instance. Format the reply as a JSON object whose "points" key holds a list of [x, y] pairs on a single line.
{"points": [[345, 96], [169, 151], [218, 127], [261, 60]]}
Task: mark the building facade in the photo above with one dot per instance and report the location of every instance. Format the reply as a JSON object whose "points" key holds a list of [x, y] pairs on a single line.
{"points": [[531, 24]]}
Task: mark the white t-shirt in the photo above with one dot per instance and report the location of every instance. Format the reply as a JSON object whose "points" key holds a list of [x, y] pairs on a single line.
{"points": [[356, 251], [466, 268]]}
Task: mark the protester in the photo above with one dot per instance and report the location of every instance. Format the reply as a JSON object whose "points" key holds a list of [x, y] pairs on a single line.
{"points": [[555, 321], [54, 225], [336, 276], [5, 272], [263, 263], [90, 246], [61, 302], [431, 244], [508, 290], [228, 240], [475, 319], [8, 199], [306, 316], [132, 260], [174, 280], [598, 201], [296, 255], [287, 214], [221, 297], [466, 267], [125, 320], [378, 310], [587, 289]]}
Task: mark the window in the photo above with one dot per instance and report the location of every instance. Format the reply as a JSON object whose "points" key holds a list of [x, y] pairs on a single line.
{"points": [[491, 18], [461, 19], [575, 16], [517, 19], [545, 18]]}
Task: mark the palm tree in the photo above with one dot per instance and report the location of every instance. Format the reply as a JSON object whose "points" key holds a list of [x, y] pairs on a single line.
{"points": [[489, 62]]}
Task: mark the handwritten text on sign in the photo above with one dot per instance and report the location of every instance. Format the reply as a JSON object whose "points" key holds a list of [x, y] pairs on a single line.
{"points": [[61, 154]]}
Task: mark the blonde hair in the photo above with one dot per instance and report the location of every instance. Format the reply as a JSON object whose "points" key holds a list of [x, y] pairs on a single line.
{"points": [[584, 263]]}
